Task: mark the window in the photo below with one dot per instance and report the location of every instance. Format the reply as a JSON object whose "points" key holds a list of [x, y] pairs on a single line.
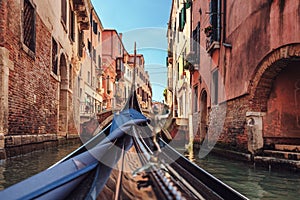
{"points": [[182, 17], [54, 56], [196, 43], [95, 27], [70, 77], [215, 77], [94, 54], [89, 77], [29, 25], [89, 48], [72, 25], [195, 103], [99, 36], [107, 84], [64, 12], [215, 19], [80, 43], [99, 61]]}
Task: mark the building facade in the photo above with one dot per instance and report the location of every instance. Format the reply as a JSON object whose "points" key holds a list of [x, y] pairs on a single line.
{"points": [[179, 81], [90, 76], [142, 82], [113, 52], [244, 72], [40, 56]]}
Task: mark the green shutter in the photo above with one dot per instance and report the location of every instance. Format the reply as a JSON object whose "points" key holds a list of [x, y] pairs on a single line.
{"points": [[182, 17], [188, 4]]}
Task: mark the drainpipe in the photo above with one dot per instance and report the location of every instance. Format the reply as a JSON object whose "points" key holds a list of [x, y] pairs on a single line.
{"points": [[224, 21]]}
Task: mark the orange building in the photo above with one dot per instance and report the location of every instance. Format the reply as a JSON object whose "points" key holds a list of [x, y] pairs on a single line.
{"points": [[112, 65]]}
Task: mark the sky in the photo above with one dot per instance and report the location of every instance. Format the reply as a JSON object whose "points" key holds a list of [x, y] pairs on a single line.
{"points": [[143, 22]]}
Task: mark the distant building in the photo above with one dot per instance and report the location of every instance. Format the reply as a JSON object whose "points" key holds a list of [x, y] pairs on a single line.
{"points": [[112, 66], [142, 80]]}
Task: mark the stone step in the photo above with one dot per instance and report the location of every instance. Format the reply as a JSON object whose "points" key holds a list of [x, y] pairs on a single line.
{"points": [[287, 147], [282, 154]]}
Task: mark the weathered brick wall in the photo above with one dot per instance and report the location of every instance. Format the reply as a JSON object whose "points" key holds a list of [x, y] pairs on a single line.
{"points": [[32, 90], [3, 19], [227, 123]]}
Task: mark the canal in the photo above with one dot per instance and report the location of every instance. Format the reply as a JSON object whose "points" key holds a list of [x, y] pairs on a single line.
{"points": [[253, 182], [18, 168]]}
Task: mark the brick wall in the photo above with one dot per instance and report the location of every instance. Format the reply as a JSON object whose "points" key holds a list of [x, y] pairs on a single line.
{"points": [[227, 124], [32, 90]]}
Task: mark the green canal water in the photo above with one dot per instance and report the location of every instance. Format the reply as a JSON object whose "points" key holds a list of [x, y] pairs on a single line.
{"points": [[16, 169], [253, 182]]}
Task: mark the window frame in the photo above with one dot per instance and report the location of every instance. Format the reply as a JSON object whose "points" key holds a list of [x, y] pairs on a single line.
{"points": [[215, 87], [31, 52], [71, 24], [64, 13], [52, 58]]}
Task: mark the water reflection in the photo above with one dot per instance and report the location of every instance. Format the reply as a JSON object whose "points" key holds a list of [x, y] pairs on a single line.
{"points": [[16, 169], [251, 181]]}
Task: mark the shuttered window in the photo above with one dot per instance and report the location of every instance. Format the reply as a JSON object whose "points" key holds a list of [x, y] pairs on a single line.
{"points": [[29, 25], [72, 25]]}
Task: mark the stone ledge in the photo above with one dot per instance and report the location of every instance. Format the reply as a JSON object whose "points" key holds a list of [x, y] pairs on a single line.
{"points": [[277, 163], [283, 154], [232, 154], [19, 140], [286, 147]]}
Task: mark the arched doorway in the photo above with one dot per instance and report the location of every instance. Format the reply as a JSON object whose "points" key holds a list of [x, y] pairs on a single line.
{"points": [[275, 96], [63, 96], [203, 115], [281, 122]]}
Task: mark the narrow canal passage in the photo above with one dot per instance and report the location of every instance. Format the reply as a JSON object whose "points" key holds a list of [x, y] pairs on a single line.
{"points": [[253, 182]]}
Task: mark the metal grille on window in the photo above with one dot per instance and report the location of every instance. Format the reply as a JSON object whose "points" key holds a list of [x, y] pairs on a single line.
{"points": [[29, 25], [54, 56]]}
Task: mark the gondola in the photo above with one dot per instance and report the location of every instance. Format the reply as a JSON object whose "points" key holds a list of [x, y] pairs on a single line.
{"points": [[92, 171], [63, 179], [126, 160]]}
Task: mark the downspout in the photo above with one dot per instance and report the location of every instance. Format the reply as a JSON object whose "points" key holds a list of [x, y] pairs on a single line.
{"points": [[224, 21]]}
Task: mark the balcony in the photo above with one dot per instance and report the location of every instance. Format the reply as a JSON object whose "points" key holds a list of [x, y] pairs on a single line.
{"points": [[82, 16], [192, 63]]}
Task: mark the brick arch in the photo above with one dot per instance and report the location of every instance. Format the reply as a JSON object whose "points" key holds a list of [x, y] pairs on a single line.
{"points": [[267, 71]]}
